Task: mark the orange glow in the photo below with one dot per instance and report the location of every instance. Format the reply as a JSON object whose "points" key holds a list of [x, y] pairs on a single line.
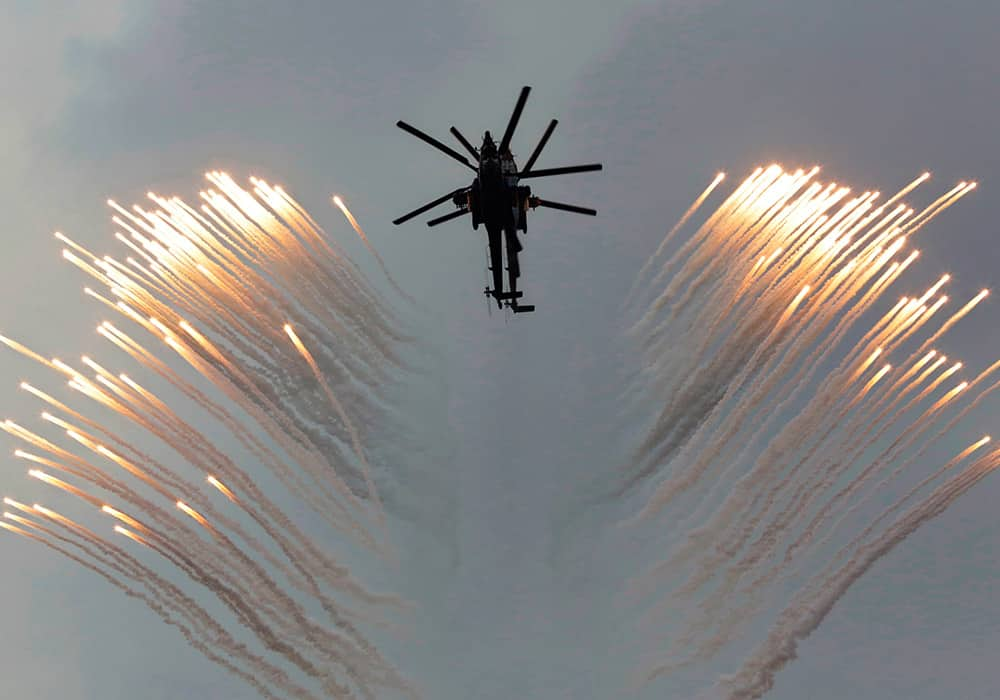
{"points": [[18, 505], [191, 512], [970, 449], [132, 536], [118, 515], [873, 381], [13, 528], [222, 488]]}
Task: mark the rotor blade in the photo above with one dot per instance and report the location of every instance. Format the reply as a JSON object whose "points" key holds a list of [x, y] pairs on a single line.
{"points": [[468, 146], [447, 217], [562, 171], [535, 202], [512, 124], [429, 205], [541, 144], [434, 142]]}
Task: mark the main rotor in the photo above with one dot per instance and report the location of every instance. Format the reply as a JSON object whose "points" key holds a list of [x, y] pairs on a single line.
{"points": [[487, 152]]}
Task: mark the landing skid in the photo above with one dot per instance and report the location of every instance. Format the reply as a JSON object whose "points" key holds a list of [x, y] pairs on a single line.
{"points": [[507, 300]]}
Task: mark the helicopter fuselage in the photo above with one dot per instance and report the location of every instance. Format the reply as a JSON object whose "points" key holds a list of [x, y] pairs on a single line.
{"points": [[496, 199]]}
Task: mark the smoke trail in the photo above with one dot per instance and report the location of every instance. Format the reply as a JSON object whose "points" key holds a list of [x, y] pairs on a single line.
{"points": [[164, 599], [217, 285], [778, 409], [371, 249], [807, 612], [671, 233]]}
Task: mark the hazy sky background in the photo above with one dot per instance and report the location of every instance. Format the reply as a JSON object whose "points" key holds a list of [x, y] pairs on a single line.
{"points": [[124, 97]]}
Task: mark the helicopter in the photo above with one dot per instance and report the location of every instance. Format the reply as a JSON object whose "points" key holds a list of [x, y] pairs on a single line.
{"points": [[497, 200]]}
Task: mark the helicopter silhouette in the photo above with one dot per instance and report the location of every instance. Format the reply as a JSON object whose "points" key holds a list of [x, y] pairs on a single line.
{"points": [[497, 200]]}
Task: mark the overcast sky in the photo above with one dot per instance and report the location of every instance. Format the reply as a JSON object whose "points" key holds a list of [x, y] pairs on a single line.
{"points": [[122, 97]]}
